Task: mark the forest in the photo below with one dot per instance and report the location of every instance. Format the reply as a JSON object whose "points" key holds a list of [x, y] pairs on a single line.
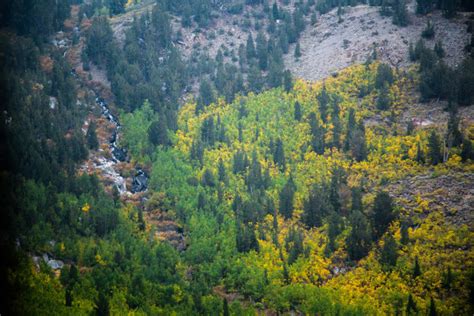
{"points": [[245, 190]]}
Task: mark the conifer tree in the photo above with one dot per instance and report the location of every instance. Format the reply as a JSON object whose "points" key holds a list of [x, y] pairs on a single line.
{"points": [[297, 111], [467, 152], [351, 124], [323, 99], [434, 148], [255, 79], [411, 306], [286, 198], [279, 154], [334, 197], [287, 81], [275, 11], [420, 156], [448, 279], [359, 240], [91, 136], [158, 132], [400, 13], [221, 172], [206, 95], [334, 229], [404, 235], [297, 53], [389, 252], [383, 101], [262, 52], [416, 268], [225, 307], [294, 244], [384, 76], [250, 48], [317, 133], [432, 311], [382, 213], [359, 143], [356, 195]]}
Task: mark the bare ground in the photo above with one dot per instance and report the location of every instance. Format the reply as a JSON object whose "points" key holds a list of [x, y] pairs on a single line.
{"points": [[330, 46], [452, 194]]}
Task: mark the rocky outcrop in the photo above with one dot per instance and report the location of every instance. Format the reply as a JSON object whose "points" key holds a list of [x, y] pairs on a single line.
{"points": [[452, 194]]}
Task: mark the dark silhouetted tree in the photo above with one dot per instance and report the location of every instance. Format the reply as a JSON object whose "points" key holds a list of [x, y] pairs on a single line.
{"points": [[434, 148], [389, 252], [286, 198], [382, 213]]}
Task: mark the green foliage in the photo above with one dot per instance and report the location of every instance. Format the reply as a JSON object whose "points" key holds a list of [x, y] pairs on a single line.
{"points": [[297, 53], [434, 148], [388, 253], [317, 206], [359, 240], [138, 131], [384, 76], [286, 198], [382, 214], [91, 137], [429, 31], [400, 13]]}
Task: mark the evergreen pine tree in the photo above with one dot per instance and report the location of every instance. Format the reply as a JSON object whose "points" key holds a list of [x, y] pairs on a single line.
{"points": [[334, 229], [317, 133], [286, 198], [359, 239], [250, 48], [206, 95], [467, 152], [382, 214], [275, 11], [432, 311], [455, 137], [334, 197], [255, 80], [297, 53], [91, 136], [420, 156], [287, 81], [359, 143], [351, 124], [400, 13], [383, 101], [225, 307], [221, 171], [434, 148], [102, 307], [411, 306], [404, 236], [323, 99], [158, 132], [356, 195], [448, 279], [416, 269], [297, 111], [316, 207], [439, 50], [389, 252], [262, 52], [279, 154]]}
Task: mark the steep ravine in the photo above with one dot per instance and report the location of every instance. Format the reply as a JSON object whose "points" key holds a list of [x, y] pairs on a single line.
{"points": [[111, 161]]}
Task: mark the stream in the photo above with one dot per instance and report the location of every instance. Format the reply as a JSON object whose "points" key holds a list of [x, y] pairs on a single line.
{"points": [[119, 154]]}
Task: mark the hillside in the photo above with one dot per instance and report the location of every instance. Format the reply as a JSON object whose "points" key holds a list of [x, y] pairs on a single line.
{"points": [[330, 45], [230, 157], [254, 125]]}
